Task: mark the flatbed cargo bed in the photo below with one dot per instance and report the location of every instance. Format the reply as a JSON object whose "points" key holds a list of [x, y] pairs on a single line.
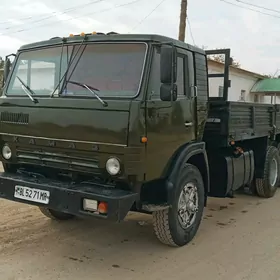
{"points": [[239, 121]]}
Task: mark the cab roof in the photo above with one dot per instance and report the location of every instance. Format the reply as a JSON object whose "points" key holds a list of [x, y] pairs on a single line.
{"points": [[111, 38]]}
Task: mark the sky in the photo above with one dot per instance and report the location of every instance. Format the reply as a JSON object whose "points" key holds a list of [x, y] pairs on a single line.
{"points": [[254, 38]]}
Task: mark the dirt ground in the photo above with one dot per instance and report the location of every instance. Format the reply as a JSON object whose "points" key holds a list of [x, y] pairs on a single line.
{"points": [[238, 239]]}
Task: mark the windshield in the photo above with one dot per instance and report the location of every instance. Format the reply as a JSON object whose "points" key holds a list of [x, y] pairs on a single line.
{"points": [[39, 70], [115, 69]]}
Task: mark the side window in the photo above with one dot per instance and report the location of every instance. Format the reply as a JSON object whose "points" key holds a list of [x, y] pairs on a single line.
{"points": [[185, 72], [185, 75], [180, 76], [189, 73]]}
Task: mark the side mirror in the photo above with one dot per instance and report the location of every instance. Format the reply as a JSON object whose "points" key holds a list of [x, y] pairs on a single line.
{"points": [[168, 64], [168, 92], [7, 68]]}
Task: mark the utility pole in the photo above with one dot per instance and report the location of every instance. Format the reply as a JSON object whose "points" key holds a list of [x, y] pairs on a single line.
{"points": [[183, 18]]}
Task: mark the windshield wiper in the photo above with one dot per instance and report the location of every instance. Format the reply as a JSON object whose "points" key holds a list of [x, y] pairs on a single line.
{"points": [[72, 59], [91, 89], [27, 90]]}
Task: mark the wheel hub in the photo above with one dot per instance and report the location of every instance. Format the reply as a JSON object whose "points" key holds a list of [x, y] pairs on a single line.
{"points": [[273, 172], [188, 205]]}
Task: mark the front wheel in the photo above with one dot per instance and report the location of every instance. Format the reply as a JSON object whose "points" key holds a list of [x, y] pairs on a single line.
{"points": [[55, 215], [177, 225]]}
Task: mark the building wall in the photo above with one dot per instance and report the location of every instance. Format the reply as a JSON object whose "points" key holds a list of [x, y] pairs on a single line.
{"points": [[241, 84]]}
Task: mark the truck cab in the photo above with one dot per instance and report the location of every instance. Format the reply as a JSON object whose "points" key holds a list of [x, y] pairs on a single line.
{"points": [[70, 104]]}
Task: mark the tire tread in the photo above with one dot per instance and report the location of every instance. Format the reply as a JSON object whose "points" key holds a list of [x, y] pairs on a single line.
{"points": [[161, 227]]}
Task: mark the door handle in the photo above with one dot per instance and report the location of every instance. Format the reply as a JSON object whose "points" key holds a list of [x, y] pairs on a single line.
{"points": [[195, 91], [188, 124]]}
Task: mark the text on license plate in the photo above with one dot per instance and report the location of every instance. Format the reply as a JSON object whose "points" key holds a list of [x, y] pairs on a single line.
{"points": [[30, 194]]}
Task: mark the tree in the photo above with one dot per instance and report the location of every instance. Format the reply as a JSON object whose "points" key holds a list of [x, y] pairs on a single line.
{"points": [[221, 58]]}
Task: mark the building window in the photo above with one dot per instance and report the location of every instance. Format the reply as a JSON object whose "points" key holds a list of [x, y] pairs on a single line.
{"points": [[243, 95], [221, 91], [256, 98]]}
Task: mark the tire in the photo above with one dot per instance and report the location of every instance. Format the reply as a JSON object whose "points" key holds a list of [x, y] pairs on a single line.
{"points": [[55, 215], [266, 187], [167, 223]]}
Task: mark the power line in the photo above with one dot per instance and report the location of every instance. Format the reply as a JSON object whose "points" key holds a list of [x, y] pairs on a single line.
{"points": [[149, 14], [190, 28], [54, 14], [246, 8], [30, 17], [76, 17], [257, 6], [8, 21]]}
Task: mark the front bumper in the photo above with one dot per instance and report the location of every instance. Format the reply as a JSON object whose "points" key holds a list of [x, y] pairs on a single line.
{"points": [[68, 198]]}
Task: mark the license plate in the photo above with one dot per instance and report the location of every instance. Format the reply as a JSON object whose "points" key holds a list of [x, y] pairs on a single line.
{"points": [[31, 194]]}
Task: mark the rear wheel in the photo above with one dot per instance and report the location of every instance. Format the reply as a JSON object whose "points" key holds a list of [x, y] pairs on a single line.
{"points": [[266, 187], [55, 215], [178, 225]]}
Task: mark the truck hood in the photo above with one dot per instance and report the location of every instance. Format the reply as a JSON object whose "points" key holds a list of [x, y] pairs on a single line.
{"points": [[83, 120]]}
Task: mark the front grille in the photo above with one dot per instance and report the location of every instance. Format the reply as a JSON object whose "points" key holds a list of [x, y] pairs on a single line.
{"points": [[66, 161], [16, 118]]}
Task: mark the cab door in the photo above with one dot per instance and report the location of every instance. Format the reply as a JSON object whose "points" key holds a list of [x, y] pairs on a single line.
{"points": [[169, 124]]}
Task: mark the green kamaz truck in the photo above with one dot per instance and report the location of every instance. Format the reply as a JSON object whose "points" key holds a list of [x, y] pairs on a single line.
{"points": [[97, 125]]}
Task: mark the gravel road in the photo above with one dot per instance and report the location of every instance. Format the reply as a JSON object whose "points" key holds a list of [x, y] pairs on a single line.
{"points": [[238, 239]]}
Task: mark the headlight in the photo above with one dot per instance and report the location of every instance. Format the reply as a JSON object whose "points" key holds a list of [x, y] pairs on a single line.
{"points": [[113, 166], [6, 152]]}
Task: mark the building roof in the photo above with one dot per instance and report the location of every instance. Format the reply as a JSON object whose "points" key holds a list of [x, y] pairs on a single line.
{"points": [[267, 86], [237, 69]]}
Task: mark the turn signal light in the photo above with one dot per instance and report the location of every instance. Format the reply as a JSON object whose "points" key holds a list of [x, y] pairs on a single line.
{"points": [[103, 208], [144, 139]]}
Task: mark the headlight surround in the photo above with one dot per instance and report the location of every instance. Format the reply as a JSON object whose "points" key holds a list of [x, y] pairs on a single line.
{"points": [[113, 166], [6, 152]]}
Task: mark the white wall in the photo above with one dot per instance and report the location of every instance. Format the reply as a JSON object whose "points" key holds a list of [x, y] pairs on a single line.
{"points": [[42, 76], [239, 82]]}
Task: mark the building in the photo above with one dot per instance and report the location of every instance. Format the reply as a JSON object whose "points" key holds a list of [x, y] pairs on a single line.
{"points": [[246, 86], [269, 88]]}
